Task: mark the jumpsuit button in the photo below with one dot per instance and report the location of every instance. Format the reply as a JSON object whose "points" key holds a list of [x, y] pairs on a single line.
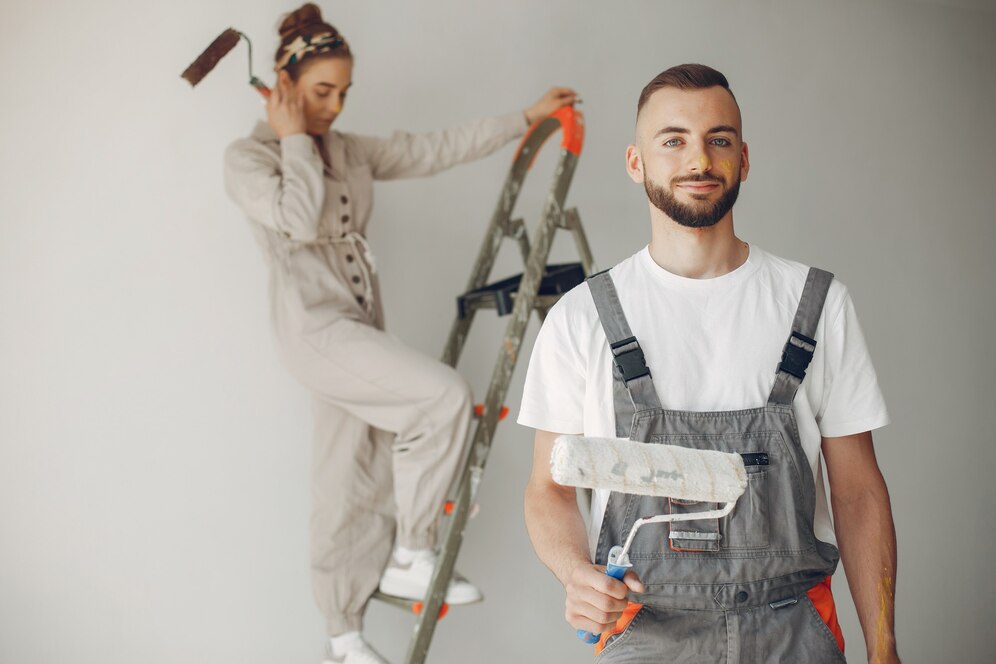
{"points": [[349, 258], [344, 200], [356, 280], [742, 596], [345, 218], [359, 299]]}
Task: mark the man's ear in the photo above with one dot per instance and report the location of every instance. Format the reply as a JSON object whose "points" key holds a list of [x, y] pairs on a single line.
{"points": [[744, 163], [634, 164]]}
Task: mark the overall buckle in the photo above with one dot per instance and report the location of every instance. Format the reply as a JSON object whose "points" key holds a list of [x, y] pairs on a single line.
{"points": [[797, 355], [632, 363]]}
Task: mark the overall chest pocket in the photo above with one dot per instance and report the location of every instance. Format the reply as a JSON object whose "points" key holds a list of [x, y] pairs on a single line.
{"points": [[697, 536], [748, 526]]}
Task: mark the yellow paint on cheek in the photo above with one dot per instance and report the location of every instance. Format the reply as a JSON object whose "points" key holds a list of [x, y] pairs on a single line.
{"points": [[885, 601], [727, 167]]}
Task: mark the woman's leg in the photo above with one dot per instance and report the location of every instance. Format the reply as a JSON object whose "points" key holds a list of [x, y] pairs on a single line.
{"points": [[352, 518], [424, 403]]}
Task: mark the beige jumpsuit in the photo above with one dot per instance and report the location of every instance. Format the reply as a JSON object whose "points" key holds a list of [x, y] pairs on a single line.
{"points": [[385, 415]]}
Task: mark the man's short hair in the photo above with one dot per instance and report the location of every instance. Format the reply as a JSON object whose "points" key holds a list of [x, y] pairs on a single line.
{"points": [[684, 77]]}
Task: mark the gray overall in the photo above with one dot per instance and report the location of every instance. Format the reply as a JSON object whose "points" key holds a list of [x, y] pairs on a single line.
{"points": [[729, 590]]}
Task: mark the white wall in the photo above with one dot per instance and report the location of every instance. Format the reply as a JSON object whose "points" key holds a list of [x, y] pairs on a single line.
{"points": [[153, 454]]}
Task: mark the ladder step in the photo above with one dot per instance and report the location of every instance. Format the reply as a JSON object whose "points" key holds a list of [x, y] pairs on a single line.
{"points": [[413, 605], [449, 506], [443, 610], [557, 280], [479, 411]]}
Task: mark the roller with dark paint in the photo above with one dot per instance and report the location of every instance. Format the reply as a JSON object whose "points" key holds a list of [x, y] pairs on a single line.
{"points": [[218, 49]]}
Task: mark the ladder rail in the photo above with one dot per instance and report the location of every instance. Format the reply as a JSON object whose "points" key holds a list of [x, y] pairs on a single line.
{"points": [[526, 300], [500, 221], [484, 432], [572, 222]]}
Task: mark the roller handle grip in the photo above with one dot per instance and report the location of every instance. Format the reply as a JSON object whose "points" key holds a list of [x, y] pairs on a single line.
{"points": [[261, 87], [616, 572]]}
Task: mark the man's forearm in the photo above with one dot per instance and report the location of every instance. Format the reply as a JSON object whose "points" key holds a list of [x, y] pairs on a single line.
{"points": [[867, 538], [556, 529]]}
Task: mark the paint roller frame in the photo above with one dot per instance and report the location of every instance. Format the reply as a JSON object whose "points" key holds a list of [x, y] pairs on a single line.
{"points": [[216, 50], [720, 477], [723, 482]]}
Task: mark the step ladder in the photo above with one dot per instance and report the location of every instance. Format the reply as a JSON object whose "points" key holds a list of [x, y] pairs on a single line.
{"points": [[538, 288]]}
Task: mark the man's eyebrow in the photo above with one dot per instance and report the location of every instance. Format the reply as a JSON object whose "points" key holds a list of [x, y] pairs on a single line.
{"points": [[671, 130], [332, 85], [719, 129], [723, 128]]}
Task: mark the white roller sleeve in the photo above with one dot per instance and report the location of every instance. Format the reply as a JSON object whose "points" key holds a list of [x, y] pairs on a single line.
{"points": [[647, 469]]}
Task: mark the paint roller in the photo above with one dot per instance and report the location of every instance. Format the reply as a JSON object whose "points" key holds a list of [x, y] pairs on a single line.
{"points": [[218, 49], [645, 469]]}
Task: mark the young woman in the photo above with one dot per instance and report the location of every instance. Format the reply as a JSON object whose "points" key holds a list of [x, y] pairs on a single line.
{"points": [[391, 424]]}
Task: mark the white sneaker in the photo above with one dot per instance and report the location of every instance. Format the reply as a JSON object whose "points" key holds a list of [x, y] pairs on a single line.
{"points": [[411, 581], [363, 654]]}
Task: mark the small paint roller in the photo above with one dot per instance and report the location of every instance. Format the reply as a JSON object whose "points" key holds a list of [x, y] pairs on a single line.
{"points": [[218, 49], [646, 469]]}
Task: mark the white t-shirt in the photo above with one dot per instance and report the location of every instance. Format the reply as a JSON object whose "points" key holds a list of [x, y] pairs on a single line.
{"points": [[711, 345]]}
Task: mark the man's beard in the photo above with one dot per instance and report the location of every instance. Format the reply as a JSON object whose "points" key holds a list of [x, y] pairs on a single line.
{"points": [[687, 215]]}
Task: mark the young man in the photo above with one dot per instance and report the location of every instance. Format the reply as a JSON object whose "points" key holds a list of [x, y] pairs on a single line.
{"points": [[684, 343]]}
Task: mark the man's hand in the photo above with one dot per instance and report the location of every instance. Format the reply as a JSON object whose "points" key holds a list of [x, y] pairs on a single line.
{"points": [[550, 102], [285, 108], [596, 601]]}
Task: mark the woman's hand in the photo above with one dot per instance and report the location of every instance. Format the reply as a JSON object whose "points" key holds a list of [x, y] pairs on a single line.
{"points": [[550, 102], [285, 108]]}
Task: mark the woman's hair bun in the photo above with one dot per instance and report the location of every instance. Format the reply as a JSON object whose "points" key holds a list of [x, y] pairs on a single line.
{"points": [[300, 19], [306, 23]]}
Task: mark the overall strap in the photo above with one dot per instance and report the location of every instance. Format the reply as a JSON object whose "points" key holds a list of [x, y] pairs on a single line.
{"points": [[799, 348], [632, 386]]}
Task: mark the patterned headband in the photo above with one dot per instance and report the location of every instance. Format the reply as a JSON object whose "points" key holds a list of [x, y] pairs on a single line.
{"points": [[305, 45]]}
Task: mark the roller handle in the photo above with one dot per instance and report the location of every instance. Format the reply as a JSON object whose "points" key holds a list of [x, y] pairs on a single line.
{"points": [[616, 572], [261, 87]]}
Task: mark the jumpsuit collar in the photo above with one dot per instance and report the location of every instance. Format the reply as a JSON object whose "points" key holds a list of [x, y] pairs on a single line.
{"points": [[264, 133]]}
